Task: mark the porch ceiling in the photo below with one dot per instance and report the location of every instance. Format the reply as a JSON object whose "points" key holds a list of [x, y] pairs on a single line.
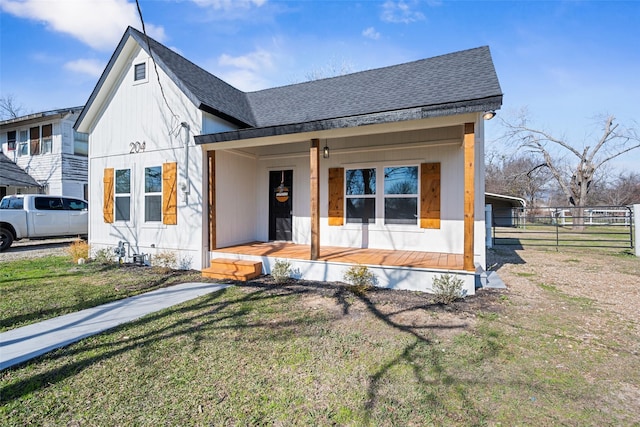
{"points": [[380, 257]]}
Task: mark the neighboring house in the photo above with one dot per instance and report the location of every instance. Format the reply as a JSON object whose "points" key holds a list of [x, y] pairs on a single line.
{"points": [[46, 146], [383, 167], [14, 180], [506, 211]]}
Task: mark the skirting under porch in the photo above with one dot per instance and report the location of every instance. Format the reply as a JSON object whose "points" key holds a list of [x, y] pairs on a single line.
{"points": [[408, 270]]}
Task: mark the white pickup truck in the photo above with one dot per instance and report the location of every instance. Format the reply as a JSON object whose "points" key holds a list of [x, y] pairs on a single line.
{"points": [[36, 216]]}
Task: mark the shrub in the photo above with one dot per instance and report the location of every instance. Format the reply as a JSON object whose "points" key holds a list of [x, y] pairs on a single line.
{"points": [[281, 271], [78, 249], [165, 259], [103, 256], [447, 288], [360, 278]]}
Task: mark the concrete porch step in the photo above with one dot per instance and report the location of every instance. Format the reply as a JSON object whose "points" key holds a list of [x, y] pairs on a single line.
{"points": [[233, 269]]}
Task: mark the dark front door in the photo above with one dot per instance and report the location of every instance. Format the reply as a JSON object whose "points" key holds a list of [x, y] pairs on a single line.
{"points": [[280, 204]]}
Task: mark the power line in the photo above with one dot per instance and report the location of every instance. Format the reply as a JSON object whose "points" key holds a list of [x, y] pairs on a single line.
{"points": [[155, 67]]}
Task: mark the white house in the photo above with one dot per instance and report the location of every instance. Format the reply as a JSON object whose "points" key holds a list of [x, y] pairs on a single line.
{"points": [[382, 167], [46, 146]]}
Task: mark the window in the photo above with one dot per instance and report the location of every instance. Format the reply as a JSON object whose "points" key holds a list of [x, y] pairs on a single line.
{"points": [[123, 194], [34, 136], [140, 72], [23, 143], [48, 203], [75, 205], [11, 140], [401, 195], [12, 203], [361, 195], [47, 139], [80, 143], [153, 194]]}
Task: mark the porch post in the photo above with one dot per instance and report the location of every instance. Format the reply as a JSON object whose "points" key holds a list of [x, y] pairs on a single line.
{"points": [[469, 195], [314, 192], [211, 169]]}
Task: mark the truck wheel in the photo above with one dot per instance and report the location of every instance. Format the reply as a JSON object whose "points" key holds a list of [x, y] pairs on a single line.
{"points": [[6, 239]]}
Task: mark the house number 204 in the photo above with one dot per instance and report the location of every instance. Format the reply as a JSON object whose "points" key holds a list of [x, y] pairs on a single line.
{"points": [[136, 147]]}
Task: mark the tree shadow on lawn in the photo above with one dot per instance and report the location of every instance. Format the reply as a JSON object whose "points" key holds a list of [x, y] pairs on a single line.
{"points": [[427, 363], [126, 291]]}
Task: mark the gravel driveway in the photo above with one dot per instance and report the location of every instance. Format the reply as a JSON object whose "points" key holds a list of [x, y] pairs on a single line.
{"points": [[36, 248]]}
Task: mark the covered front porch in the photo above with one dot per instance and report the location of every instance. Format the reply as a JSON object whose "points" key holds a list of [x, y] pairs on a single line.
{"points": [[396, 269]]}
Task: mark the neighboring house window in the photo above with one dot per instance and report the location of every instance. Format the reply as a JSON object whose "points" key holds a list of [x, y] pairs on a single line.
{"points": [[123, 194], [23, 143], [34, 137], [11, 140], [360, 195], [153, 194], [401, 195], [80, 143], [47, 139], [140, 72]]}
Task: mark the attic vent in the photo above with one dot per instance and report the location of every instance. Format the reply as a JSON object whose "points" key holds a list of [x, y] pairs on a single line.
{"points": [[140, 72]]}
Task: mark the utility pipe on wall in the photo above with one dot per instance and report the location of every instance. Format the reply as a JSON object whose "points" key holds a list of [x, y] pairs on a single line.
{"points": [[186, 184]]}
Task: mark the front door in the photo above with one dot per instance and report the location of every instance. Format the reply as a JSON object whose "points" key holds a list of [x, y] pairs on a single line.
{"points": [[280, 205]]}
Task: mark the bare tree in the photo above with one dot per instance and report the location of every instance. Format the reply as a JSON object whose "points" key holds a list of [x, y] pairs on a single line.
{"points": [[574, 178], [9, 108], [521, 176]]}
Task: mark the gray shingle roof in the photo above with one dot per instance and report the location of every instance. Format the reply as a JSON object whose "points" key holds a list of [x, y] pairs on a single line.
{"points": [[12, 175], [454, 83], [457, 77], [204, 89]]}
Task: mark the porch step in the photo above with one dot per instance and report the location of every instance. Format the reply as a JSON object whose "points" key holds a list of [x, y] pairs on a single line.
{"points": [[233, 269]]}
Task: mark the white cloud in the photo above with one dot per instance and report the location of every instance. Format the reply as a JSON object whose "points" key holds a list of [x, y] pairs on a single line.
{"points": [[371, 33], [91, 67], [254, 61], [97, 23], [246, 72], [401, 12], [229, 4]]}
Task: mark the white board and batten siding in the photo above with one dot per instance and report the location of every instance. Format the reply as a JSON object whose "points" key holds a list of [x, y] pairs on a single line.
{"points": [[139, 130]]}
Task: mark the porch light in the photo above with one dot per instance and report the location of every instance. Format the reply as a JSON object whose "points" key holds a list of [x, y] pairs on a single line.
{"points": [[325, 151], [488, 115]]}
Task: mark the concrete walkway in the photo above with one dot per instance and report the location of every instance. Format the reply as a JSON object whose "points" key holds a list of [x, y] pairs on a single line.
{"points": [[21, 344]]}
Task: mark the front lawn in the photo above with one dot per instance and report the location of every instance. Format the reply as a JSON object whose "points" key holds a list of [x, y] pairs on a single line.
{"points": [[307, 353]]}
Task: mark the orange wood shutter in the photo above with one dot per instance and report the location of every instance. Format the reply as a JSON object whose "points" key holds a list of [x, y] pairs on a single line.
{"points": [[430, 195], [336, 196], [169, 193], [108, 190]]}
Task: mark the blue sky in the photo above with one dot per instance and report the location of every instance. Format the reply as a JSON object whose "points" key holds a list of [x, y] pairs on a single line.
{"points": [[566, 62]]}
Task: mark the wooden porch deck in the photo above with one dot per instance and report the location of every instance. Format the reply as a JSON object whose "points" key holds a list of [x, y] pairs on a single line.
{"points": [[382, 257]]}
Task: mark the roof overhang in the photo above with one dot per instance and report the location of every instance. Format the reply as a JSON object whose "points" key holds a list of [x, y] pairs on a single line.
{"points": [[515, 201], [382, 122], [38, 117]]}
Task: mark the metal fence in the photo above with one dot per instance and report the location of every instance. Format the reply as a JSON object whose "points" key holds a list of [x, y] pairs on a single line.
{"points": [[588, 227]]}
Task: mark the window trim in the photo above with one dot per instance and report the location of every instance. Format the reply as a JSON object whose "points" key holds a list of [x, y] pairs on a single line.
{"points": [[122, 195], [145, 79], [153, 194]]}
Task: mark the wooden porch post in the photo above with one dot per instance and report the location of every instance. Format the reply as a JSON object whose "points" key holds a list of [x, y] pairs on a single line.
{"points": [[314, 172], [211, 166], [469, 195]]}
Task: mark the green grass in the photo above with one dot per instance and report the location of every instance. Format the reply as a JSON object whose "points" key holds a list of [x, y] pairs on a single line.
{"points": [[260, 355], [38, 289]]}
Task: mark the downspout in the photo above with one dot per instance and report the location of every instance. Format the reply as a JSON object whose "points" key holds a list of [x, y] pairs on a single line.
{"points": [[186, 183]]}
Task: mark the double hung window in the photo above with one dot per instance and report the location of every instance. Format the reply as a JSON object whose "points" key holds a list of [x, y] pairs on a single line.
{"points": [[23, 143], [11, 140], [153, 194], [361, 195], [123, 194], [401, 195]]}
